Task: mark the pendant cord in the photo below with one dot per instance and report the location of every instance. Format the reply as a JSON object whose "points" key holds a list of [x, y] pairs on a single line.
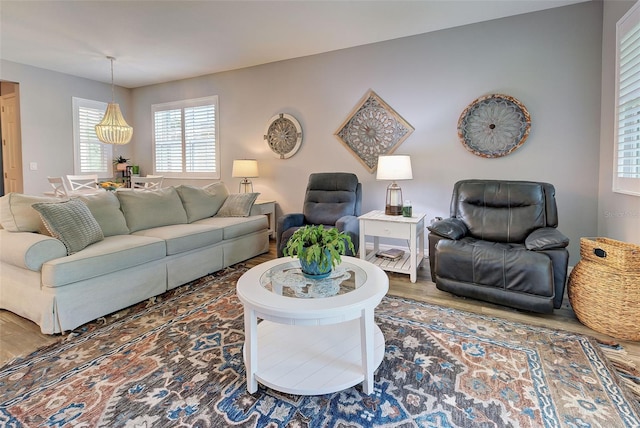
{"points": [[113, 97]]}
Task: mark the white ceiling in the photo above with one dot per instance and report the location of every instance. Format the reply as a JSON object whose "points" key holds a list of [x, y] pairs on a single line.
{"points": [[157, 41]]}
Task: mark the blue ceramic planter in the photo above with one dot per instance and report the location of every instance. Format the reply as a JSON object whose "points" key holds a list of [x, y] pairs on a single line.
{"points": [[312, 270]]}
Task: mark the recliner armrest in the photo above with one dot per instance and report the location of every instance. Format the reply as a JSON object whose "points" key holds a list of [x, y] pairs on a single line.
{"points": [[452, 228], [288, 221], [545, 238], [350, 225]]}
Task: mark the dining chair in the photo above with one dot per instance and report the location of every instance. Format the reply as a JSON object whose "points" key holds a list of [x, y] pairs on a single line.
{"points": [[58, 186], [150, 182], [87, 183]]}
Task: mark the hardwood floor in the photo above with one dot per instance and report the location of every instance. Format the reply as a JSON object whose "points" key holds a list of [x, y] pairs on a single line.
{"points": [[19, 336]]}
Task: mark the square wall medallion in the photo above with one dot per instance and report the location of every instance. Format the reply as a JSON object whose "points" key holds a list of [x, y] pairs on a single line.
{"points": [[373, 129]]}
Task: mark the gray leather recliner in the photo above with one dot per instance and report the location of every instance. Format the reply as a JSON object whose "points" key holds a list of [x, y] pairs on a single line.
{"points": [[501, 245], [333, 199]]}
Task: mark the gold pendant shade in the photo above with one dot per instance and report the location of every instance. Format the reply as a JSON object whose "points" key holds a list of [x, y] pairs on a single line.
{"points": [[113, 129]]}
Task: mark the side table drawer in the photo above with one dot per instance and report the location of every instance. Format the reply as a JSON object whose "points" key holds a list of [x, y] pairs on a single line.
{"points": [[385, 228]]}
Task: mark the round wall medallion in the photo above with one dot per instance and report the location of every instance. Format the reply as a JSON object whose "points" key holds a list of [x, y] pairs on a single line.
{"points": [[494, 126], [284, 135]]}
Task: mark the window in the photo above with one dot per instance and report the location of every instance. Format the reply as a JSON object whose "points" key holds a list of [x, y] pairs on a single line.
{"points": [[90, 155], [185, 138], [626, 168]]}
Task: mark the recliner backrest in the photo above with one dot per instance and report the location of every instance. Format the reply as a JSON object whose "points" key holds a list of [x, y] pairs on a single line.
{"points": [[331, 195], [504, 211]]}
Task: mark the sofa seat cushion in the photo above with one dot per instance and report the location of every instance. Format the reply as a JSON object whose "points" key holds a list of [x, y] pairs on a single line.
{"points": [[234, 227], [184, 237], [510, 267], [112, 254]]}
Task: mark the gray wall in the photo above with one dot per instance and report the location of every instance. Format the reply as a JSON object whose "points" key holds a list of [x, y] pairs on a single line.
{"points": [[47, 118], [549, 60], [618, 214]]}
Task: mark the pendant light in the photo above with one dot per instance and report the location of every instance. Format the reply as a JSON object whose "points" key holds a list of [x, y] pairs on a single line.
{"points": [[113, 129]]}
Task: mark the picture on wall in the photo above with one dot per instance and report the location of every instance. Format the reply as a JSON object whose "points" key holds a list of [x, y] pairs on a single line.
{"points": [[372, 129]]}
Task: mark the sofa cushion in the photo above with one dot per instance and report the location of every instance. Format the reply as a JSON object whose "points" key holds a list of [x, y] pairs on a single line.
{"points": [[112, 254], [145, 210], [237, 205], [17, 215], [105, 207], [71, 222], [234, 227], [202, 202], [184, 237]]}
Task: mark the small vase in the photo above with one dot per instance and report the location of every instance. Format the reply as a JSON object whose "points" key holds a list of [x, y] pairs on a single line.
{"points": [[312, 269]]}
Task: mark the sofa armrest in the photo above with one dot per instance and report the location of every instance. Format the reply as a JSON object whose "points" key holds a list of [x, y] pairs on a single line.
{"points": [[452, 228], [545, 238], [29, 250]]}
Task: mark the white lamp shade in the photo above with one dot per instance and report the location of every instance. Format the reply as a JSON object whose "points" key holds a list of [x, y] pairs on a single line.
{"points": [[245, 168], [394, 167]]}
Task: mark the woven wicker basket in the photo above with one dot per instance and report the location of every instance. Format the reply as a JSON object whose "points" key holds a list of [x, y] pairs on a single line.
{"points": [[604, 287]]}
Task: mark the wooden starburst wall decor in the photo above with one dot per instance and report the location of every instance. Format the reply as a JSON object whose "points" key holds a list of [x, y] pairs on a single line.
{"points": [[372, 129]]}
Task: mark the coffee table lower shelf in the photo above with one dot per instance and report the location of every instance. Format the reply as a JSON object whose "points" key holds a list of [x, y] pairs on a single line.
{"points": [[313, 360]]}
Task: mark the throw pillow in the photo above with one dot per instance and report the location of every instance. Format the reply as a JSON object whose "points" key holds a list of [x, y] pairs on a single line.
{"points": [[202, 202], [145, 210], [105, 207], [17, 215], [237, 205], [71, 222]]}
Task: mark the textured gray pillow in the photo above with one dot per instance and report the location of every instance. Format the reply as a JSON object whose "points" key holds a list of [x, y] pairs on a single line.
{"points": [[71, 222], [237, 205], [145, 210], [202, 202], [105, 208]]}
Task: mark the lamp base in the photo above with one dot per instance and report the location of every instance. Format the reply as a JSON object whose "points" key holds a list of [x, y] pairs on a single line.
{"points": [[393, 210], [393, 205], [246, 186]]}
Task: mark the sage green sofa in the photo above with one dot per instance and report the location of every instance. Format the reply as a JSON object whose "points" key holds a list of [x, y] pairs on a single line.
{"points": [[144, 244]]}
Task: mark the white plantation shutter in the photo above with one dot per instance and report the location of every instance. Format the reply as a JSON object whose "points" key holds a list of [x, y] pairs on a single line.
{"points": [[185, 138], [90, 155], [626, 177]]}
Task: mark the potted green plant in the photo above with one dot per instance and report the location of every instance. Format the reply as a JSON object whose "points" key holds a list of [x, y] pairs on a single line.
{"points": [[319, 249], [120, 163]]}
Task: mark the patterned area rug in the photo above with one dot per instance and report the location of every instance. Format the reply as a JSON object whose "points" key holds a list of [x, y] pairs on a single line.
{"points": [[177, 361]]}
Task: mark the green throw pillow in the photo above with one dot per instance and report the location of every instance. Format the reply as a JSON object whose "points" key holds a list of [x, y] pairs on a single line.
{"points": [[237, 205], [105, 208], [71, 222], [202, 202], [145, 210]]}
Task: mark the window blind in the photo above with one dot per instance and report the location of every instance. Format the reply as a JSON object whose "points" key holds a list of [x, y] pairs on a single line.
{"points": [[91, 155], [626, 177], [185, 138]]}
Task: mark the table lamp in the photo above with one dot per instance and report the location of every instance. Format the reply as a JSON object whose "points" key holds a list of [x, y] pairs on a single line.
{"points": [[394, 167], [245, 168]]}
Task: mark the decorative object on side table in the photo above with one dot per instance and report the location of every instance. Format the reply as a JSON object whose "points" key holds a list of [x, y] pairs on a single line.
{"points": [[396, 167], [319, 249], [373, 128], [284, 135], [494, 126], [109, 185], [245, 168], [120, 163]]}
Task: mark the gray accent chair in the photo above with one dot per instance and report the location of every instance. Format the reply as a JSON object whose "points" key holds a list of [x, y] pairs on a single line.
{"points": [[501, 245], [333, 199]]}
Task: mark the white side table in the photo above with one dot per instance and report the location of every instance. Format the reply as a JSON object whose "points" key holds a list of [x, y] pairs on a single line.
{"points": [[311, 342], [267, 208], [378, 224]]}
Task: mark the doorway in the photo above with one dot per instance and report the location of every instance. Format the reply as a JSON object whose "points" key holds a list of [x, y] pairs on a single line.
{"points": [[11, 147]]}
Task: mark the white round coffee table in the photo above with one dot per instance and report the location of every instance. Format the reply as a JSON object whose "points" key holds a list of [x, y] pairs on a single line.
{"points": [[316, 336]]}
